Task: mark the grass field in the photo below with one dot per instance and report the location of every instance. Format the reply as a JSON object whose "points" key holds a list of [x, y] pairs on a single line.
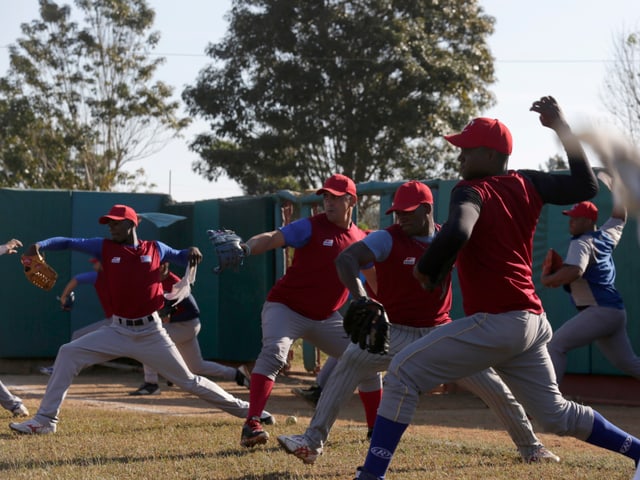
{"points": [[106, 434]]}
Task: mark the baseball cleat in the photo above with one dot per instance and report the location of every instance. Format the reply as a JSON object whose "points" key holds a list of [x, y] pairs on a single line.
{"points": [[297, 445], [46, 370], [32, 427], [541, 454], [243, 378], [267, 419], [361, 474], [20, 410], [253, 434], [147, 389], [311, 394]]}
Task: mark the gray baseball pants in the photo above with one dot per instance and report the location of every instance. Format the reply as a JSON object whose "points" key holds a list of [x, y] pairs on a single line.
{"points": [[513, 343], [357, 363], [149, 344]]}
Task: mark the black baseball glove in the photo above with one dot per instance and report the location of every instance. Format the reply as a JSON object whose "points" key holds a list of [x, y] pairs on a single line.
{"points": [[367, 324], [229, 248]]}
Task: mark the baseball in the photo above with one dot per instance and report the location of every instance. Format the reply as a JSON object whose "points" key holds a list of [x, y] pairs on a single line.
{"points": [[291, 420]]}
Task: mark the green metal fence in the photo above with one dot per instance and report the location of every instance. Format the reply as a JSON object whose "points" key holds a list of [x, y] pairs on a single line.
{"points": [[34, 326]]}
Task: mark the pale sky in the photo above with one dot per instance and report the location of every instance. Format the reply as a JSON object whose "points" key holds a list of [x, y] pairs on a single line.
{"points": [[548, 47]]}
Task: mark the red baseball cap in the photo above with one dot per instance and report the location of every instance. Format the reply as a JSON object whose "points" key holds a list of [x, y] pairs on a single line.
{"points": [[409, 196], [583, 209], [120, 212], [483, 132], [338, 185]]}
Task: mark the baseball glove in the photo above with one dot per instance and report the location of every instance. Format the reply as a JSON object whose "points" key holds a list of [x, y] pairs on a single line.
{"points": [[229, 248], [38, 271], [552, 262], [366, 323]]}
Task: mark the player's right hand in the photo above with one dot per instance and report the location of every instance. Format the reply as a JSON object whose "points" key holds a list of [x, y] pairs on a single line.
{"points": [[550, 114]]}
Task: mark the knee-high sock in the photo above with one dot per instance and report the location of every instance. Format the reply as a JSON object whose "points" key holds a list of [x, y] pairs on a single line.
{"points": [[606, 435], [385, 439], [259, 392]]}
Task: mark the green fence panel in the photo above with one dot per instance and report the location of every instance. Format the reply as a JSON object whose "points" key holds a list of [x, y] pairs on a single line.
{"points": [[33, 324], [231, 302]]}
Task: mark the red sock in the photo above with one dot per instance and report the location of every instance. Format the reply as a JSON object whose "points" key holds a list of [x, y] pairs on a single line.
{"points": [[370, 401], [259, 392]]}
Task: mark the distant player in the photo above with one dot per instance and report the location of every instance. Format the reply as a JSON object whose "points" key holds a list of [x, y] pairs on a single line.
{"points": [[589, 275], [182, 323]]}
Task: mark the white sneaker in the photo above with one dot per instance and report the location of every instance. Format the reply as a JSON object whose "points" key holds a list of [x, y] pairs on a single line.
{"points": [[541, 454], [297, 445], [20, 410], [32, 427]]}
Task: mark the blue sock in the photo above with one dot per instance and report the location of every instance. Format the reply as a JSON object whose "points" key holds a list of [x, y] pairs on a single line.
{"points": [[606, 435], [385, 439]]}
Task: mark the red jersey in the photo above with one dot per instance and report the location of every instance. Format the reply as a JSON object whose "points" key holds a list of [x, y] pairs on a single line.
{"points": [[311, 286], [494, 266], [132, 277], [404, 299]]}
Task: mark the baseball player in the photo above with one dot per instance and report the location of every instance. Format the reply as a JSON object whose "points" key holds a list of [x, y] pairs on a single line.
{"points": [[589, 275], [8, 400], [413, 313], [493, 214], [182, 323], [131, 274], [304, 303]]}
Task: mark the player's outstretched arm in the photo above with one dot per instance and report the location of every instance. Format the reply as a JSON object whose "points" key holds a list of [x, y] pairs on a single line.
{"points": [[619, 211], [560, 189], [263, 242]]}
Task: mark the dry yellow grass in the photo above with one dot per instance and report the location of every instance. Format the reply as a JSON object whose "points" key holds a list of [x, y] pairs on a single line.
{"points": [[106, 434]]}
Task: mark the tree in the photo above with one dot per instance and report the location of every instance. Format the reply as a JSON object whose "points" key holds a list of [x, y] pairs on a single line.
{"points": [[622, 84], [557, 162], [299, 90], [79, 102]]}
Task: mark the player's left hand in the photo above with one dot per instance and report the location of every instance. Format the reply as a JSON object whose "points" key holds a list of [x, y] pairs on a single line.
{"points": [[194, 256]]}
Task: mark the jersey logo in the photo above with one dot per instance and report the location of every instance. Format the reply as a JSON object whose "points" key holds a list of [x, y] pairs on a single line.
{"points": [[115, 259], [409, 261], [145, 258], [328, 242]]}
